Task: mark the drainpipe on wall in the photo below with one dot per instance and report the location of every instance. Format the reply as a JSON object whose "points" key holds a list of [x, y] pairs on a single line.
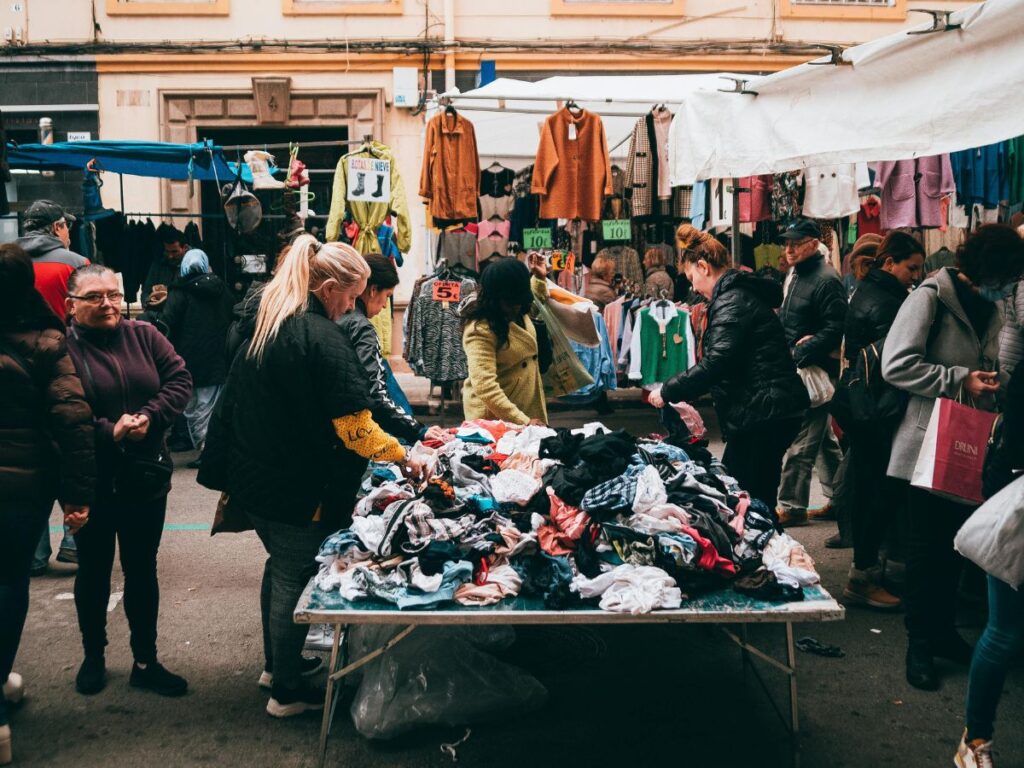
{"points": [[449, 44]]}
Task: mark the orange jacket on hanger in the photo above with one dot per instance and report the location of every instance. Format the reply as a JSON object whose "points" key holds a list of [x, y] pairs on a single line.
{"points": [[451, 170], [572, 173]]}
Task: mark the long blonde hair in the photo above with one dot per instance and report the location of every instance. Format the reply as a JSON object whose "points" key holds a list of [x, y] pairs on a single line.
{"points": [[304, 268]]}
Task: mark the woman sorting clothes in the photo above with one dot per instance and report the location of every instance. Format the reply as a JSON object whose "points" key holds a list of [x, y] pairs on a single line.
{"points": [[380, 286], [46, 450], [300, 432], [885, 280], [501, 345], [944, 343], [746, 365], [137, 386]]}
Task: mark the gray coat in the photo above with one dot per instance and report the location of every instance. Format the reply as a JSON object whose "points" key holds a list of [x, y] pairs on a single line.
{"points": [[1011, 338], [931, 363]]}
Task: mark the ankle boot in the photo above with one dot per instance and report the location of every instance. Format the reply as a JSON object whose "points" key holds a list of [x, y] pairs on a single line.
{"points": [[258, 160], [920, 666], [380, 186], [360, 189]]}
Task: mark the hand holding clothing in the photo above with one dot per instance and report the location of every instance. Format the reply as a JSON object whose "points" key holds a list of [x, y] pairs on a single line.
{"points": [[655, 398]]}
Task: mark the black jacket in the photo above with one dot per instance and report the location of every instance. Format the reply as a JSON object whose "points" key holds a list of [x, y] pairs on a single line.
{"points": [[284, 458], [746, 362], [872, 311], [243, 324], [815, 306], [197, 316], [46, 431], [386, 412]]}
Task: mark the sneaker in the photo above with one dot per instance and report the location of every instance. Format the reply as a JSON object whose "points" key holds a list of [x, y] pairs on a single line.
{"points": [[92, 676], [871, 594], [835, 541], [14, 688], [6, 757], [156, 678], [822, 513], [976, 753], [953, 648], [309, 665], [320, 637], [67, 555], [789, 520], [286, 702]]}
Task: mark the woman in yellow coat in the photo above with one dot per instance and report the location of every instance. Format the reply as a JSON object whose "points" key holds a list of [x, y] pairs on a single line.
{"points": [[501, 346]]}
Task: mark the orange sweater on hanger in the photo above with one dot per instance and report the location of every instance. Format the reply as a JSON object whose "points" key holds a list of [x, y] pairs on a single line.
{"points": [[572, 173]]}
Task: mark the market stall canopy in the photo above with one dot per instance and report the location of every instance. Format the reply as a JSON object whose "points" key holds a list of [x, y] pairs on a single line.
{"points": [[906, 95], [202, 161], [512, 133]]}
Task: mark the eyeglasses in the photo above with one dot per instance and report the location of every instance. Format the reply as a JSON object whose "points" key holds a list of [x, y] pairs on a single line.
{"points": [[114, 298], [61, 224], [794, 244]]}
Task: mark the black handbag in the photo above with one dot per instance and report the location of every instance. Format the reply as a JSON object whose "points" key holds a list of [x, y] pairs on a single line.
{"points": [[140, 476]]}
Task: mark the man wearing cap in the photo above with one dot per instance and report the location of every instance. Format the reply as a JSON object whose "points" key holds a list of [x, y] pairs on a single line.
{"points": [[813, 315], [47, 240]]}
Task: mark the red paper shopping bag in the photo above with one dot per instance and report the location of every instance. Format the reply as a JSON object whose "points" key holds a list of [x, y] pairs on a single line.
{"points": [[953, 452]]}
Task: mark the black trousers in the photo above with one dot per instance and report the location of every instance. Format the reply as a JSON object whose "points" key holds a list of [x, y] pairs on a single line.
{"points": [[877, 496], [754, 458], [137, 528], [933, 566]]}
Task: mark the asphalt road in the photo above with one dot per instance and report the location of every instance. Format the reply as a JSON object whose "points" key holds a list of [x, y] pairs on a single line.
{"points": [[639, 697]]}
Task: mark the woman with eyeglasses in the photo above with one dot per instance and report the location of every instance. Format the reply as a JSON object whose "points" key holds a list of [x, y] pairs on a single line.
{"points": [[137, 386], [46, 450]]}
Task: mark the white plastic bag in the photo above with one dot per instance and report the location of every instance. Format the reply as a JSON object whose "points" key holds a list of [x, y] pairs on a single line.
{"points": [[993, 537], [819, 386], [437, 675]]}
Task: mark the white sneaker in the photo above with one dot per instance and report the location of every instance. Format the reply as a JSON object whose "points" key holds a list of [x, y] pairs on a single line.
{"points": [[976, 753], [310, 666], [14, 688], [320, 638], [6, 758]]}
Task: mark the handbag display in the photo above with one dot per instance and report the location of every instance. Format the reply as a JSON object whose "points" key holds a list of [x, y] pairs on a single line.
{"points": [[953, 452], [993, 537]]}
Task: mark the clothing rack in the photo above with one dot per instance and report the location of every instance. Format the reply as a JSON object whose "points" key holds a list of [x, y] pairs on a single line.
{"points": [[341, 143], [546, 111], [140, 214], [560, 100]]}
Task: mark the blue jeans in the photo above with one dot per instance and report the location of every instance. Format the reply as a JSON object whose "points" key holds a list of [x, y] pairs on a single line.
{"points": [[992, 656], [43, 549], [19, 531]]}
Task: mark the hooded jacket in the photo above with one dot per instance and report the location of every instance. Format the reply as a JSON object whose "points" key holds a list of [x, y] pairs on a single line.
{"points": [[815, 306], [53, 265], [386, 412], [198, 312], [46, 432], [746, 362], [872, 310]]}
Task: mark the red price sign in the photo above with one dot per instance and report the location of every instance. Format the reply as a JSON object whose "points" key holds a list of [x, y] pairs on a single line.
{"points": [[447, 290]]}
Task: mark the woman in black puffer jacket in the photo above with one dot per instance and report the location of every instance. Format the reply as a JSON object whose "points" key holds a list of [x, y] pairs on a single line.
{"points": [[46, 449], [746, 365]]}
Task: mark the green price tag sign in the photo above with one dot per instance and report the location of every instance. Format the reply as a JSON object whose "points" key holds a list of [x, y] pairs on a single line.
{"points": [[536, 239], [617, 229]]}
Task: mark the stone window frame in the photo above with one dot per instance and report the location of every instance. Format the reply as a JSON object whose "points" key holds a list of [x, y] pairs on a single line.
{"points": [[791, 10], [180, 8]]}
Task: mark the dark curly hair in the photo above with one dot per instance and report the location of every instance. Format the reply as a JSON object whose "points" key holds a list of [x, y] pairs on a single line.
{"points": [[505, 280], [992, 255]]}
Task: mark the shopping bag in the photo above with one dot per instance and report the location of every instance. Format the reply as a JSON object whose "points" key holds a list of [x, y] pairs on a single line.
{"points": [[993, 537], [566, 373], [953, 452], [819, 386]]}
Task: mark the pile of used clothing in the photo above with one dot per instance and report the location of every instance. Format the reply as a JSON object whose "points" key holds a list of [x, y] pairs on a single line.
{"points": [[576, 518]]}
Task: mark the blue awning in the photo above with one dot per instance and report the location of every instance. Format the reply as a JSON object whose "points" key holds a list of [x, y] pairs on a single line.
{"points": [[202, 161]]}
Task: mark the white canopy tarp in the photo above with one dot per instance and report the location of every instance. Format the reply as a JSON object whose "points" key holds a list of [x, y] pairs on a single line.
{"points": [[512, 137], [904, 96]]}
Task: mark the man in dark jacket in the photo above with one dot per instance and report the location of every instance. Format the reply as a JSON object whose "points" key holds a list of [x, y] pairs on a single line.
{"points": [[813, 313], [163, 272], [747, 367], [47, 240], [197, 314]]}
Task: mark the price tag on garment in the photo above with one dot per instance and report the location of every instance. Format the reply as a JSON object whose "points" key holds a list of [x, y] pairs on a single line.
{"points": [[617, 229], [572, 131], [558, 261], [447, 290], [570, 261], [536, 239]]}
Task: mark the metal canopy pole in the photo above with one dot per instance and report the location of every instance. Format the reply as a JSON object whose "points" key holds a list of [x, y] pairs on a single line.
{"points": [[737, 256]]}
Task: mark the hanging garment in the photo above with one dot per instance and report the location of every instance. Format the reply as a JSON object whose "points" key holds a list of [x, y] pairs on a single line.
{"points": [[496, 207], [618, 205], [435, 335], [492, 240], [662, 344], [572, 173], [785, 197], [912, 191], [627, 262], [868, 219], [721, 204], [448, 180], [682, 202], [1015, 170], [831, 190], [369, 215], [980, 175], [755, 205], [699, 205], [600, 364], [496, 181], [647, 174], [458, 247]]}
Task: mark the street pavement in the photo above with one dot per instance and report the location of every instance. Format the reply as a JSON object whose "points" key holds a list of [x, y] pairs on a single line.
{"points": [[641, 696]]}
